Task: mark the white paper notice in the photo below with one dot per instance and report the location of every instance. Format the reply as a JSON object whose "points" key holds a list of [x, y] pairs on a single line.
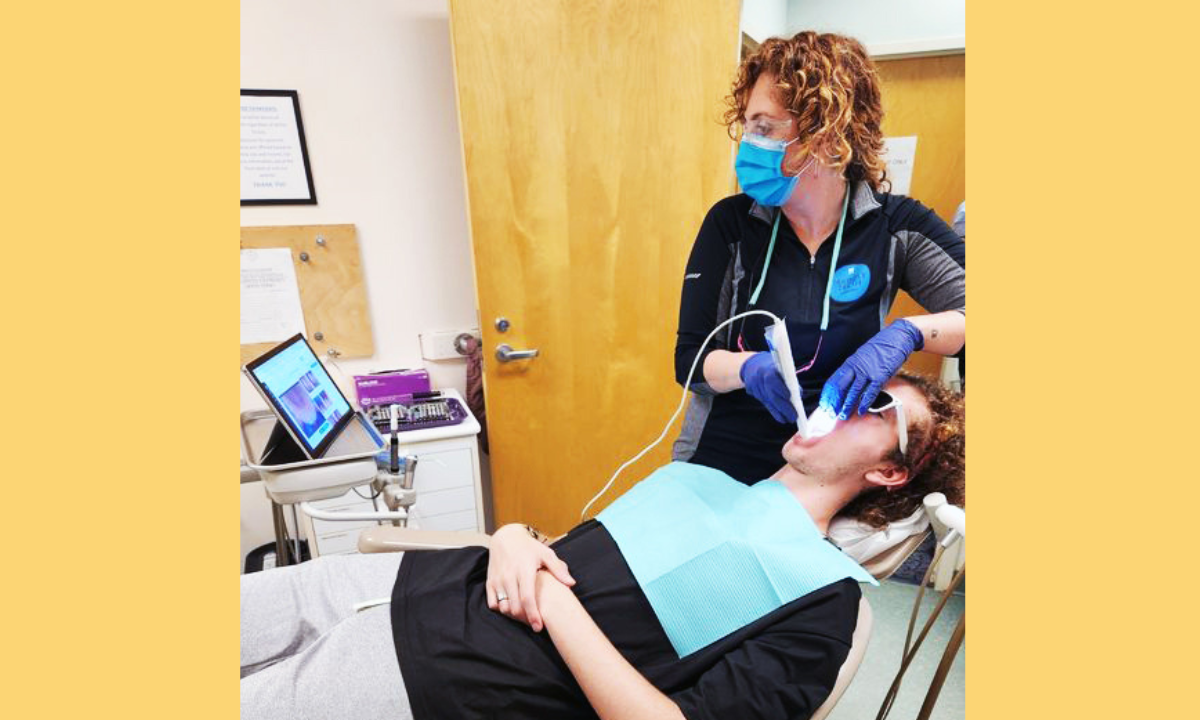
{"points": [[272, 159], [899, 154], [270, 296]]}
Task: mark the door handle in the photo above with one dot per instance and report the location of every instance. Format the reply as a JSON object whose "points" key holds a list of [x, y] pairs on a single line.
{"points": [[505, 353]]}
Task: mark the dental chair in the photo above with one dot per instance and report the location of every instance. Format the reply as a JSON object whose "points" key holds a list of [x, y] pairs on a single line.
{"points": [[396, 539]]}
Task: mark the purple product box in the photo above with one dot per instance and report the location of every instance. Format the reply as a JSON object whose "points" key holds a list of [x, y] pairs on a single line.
{"points": [[387, 387]]}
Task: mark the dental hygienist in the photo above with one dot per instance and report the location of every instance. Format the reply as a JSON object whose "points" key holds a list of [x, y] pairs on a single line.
{"points": [[816, 240]]}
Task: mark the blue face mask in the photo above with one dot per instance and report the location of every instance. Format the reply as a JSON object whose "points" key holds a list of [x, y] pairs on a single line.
{"points": [[759, 169]]}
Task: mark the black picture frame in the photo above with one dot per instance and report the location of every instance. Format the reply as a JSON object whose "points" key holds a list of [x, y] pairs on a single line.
{"points": [[311, 193]]}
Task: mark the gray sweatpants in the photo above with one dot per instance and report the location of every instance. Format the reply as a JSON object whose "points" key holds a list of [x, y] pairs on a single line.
{"points": [[307, 654]]}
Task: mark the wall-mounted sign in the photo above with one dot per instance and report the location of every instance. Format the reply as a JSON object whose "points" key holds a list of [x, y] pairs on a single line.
{"points": [[899, 153], [275, 169]]}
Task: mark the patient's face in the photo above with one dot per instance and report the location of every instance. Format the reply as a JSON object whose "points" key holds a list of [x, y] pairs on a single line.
{"points": [[861, 441]]}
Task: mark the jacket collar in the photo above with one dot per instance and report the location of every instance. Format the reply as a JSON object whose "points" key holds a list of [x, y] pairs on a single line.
{"points": [[862, 201]]}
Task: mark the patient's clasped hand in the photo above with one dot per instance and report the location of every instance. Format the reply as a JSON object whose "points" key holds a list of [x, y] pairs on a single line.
{"points": [[750, 617]]}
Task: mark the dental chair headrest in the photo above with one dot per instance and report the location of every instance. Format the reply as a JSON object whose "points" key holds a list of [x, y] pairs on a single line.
{"points": [[865, 544]]}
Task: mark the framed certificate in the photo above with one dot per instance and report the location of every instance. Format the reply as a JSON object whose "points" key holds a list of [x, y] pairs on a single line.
{"points": [[275, 169]]}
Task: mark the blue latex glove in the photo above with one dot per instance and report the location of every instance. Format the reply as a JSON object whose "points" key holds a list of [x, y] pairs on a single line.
{"points": [[762, 381], [856, 383]]}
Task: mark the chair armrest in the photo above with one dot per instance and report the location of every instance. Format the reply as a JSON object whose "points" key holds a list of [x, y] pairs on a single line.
{"points": [[858, 648], [388, 538]]}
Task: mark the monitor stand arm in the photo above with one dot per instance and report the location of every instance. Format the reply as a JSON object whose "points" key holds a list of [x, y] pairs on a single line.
{"points": [[395, 488]]}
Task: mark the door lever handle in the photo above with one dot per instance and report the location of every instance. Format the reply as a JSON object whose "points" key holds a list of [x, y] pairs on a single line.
{"points": [[505, 353]]}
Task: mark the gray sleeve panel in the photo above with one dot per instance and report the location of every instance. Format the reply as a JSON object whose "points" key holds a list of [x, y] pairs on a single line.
{"points": [[931, 276], [694, 418], [889, 287], [700, 404], [725, 309]]}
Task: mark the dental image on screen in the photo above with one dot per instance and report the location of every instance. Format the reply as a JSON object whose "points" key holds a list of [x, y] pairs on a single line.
{"points": [[305, 392], [309, 420]]}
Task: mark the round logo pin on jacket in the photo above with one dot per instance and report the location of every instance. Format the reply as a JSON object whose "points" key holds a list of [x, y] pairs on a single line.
{"points": [[850, 282]]}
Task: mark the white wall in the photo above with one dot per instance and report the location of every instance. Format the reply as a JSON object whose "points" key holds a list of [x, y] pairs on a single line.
{"points": [[886, 27], [762, 19], [376, 86]]}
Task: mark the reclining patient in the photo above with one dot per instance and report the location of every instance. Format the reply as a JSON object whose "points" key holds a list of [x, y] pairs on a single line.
{"points": [[691, 596]]}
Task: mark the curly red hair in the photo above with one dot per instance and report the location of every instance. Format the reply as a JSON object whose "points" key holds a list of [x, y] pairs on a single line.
{"points": [[830, 86], [936, 460]]}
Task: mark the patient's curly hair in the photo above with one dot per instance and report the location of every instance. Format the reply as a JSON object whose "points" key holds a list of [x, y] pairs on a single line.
{"points": [[831, 89], [936, 460]]}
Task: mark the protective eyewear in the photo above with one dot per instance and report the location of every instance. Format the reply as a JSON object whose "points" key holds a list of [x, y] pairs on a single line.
{"points": [[766, 127], [768, 134], [886, 401]]}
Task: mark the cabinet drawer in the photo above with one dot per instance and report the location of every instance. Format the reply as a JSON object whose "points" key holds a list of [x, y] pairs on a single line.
{"points": [[322, 528], [339, 543], [463, 520], [442, 470], [431, 504]]}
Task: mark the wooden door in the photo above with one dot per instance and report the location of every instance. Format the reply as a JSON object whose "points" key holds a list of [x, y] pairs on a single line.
{"points": [[926, 97], [593, 149]]}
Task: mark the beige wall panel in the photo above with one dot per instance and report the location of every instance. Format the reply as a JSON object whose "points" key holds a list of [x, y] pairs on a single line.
{"points": [[926, 97]]}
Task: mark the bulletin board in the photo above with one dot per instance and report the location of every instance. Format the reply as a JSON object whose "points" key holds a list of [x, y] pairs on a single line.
{"points": [[332, 293]]}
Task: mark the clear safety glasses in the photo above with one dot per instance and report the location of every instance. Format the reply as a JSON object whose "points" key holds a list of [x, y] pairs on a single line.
{"points": [[768, 134], [886, 401]]}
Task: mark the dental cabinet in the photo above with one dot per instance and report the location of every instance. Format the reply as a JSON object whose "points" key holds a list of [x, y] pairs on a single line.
{"points": [[447, 480]]}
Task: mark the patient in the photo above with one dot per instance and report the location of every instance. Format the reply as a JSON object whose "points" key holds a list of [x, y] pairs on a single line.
{"points": [[606, 649]]}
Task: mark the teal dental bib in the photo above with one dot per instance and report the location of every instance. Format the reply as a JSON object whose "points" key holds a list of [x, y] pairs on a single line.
{"points": [[713, 555]]}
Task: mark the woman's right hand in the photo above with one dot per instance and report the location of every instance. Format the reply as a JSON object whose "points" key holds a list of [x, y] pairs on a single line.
{"points": [[514, 559], [763, 382]]}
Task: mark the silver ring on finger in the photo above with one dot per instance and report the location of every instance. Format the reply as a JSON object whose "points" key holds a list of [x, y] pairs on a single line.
{"points": [[501, 597]]}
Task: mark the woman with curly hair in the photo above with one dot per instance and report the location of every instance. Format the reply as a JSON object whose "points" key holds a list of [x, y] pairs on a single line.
{"points": [[816, 239]]}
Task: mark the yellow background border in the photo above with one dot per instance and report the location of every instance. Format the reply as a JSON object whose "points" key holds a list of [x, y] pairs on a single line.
{"points": [[119, 192]]}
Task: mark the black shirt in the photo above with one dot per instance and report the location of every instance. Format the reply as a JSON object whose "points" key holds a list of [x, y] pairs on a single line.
{"points": [[462, 660], [899, 242]]}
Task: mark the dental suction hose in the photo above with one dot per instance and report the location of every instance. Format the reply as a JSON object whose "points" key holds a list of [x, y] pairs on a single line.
{"points": [[953, 525], [682, 402]]}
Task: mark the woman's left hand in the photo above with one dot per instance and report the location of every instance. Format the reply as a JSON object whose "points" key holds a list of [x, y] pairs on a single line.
{"points": [[514, 559], [856, 383]]}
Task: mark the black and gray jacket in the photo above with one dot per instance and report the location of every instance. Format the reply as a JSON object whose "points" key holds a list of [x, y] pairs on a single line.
{"points": [[890, 243]]}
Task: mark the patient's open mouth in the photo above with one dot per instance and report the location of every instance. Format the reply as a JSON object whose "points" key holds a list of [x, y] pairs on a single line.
{"points": [[801, 441]]}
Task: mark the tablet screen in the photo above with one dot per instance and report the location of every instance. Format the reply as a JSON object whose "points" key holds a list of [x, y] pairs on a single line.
{"points": [[302, 392]]}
